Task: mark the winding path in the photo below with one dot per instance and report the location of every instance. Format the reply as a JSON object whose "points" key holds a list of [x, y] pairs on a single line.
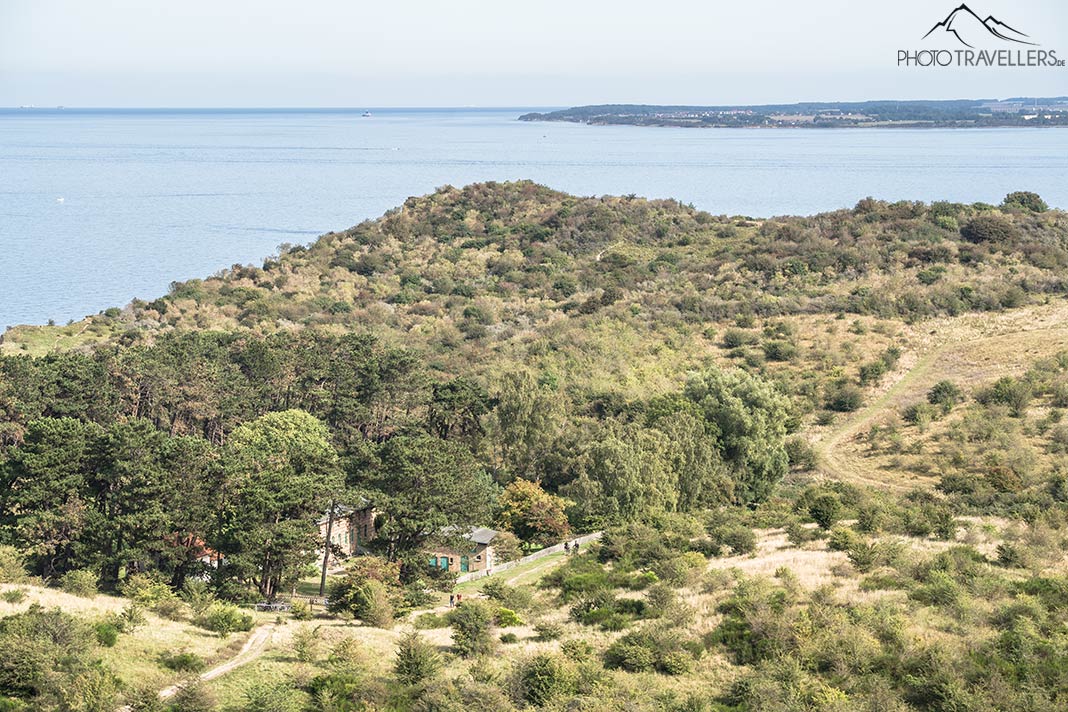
{"points": [[251, 650], [968, 350]]}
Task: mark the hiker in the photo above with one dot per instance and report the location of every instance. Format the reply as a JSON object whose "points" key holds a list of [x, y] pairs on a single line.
{"points": [[452, 600], [574, 547], [567, 547]]}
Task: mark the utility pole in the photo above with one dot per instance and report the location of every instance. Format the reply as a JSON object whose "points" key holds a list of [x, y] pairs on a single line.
{"points": [[326, 547]]}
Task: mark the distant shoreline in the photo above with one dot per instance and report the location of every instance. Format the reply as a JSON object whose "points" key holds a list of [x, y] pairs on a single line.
{"points": [[1023, 112]]}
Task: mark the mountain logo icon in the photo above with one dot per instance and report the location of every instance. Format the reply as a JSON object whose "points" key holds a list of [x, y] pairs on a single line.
{"points": [[964, 24]]}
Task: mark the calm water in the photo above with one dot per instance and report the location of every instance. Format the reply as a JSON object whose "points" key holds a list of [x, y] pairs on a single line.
{"points": [[153, 196]]}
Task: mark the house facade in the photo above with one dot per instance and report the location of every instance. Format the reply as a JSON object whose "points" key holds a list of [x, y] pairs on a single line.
{"points": [[351, 530], [478, 557]]}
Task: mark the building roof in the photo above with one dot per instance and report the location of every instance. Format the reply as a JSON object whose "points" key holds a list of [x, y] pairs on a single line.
{"points": [[478, 535], [343, 510]]}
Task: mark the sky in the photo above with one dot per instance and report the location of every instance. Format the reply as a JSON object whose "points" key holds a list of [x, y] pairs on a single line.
{"points": [[366, 53]]}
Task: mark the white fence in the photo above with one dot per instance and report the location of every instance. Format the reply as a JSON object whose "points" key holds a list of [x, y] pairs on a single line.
{"points": [[541, 553]]}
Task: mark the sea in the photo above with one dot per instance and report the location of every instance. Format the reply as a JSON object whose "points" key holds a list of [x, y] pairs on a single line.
{"points": [[98, 207]]}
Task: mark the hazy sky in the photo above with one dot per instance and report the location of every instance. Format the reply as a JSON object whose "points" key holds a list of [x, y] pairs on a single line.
{"points": [[494, 53]]}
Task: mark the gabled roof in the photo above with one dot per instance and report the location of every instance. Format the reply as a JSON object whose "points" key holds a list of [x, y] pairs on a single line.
{"points": [[478, 535]]}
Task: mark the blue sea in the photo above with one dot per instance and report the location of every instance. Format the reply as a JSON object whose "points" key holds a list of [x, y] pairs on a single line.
{"points": [[100, 206]]}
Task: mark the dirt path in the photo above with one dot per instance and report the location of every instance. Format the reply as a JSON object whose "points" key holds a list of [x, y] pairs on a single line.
{"points": [[967, 350], [251, 650]]}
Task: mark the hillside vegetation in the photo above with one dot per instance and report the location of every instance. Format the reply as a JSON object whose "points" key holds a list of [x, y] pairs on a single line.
{"points": [[828, 454]]}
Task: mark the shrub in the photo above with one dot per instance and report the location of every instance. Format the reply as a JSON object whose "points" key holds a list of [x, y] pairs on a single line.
{"points": [[630, 655], [1014, 393], [12, 565], [224, 619], [195, 697], [987, 228], [13, 596], [844, 398], [131, 618], [543, 678], [270, 697], [675, 662], [507, 618], [146, 589], [825, 510], [299, 610], [366, 598], [548, 631], [509, 638], [1025, 200], [801, 454], [197, 595], [107, 633], [80, 582], [779, 351], [429, 620], [170, 608], [739, 538], [944, 394], [842, 539], [576, 650], [733, 338], [306, 644], [472, 629], [181, 661], [417, 660]]}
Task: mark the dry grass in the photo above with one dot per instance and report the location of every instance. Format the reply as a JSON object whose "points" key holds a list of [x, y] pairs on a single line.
{"points": [[968, 350]]}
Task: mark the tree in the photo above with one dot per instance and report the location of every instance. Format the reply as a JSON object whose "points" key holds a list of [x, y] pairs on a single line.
{"points": [[280, 473], [825, 509], [945, 394], [748, 418], [527, 421], [532, 514], [472, 629], [417, 660], [456, 410], [426, 485], [45, 491]]}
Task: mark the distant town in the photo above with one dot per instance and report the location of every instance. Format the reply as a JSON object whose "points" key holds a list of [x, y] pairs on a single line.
{"points": [[959, 113]]}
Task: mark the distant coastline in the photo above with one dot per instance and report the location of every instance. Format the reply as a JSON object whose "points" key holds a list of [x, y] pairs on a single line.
{"points": [[956, 113]]}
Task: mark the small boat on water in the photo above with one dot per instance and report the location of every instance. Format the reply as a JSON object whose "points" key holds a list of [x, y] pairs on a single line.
{"points": [[367, 113]]}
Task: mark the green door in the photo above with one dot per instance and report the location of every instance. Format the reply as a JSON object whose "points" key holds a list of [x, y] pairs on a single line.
{"points": [[465, 565]]}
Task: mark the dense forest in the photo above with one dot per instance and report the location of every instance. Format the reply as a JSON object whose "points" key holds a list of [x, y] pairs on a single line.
{"points": [[507, 355]]}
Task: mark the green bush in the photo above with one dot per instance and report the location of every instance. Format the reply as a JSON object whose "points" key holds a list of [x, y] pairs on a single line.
{"points": [[543, 678], [988, 228], [472, 629], [507, 618], [844, 398], [224, 619], [299, 610], [944, 394], [12, 565], [417, 660], [271, 697], [509, 638], [195, 697], [147, 590], [629, 655], [1025, 200], [426, 621], [107, 633], [576, 650], [181, 661], [548, 631], [825, 510], [13, 596], [80, 582], [801, 454]]}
